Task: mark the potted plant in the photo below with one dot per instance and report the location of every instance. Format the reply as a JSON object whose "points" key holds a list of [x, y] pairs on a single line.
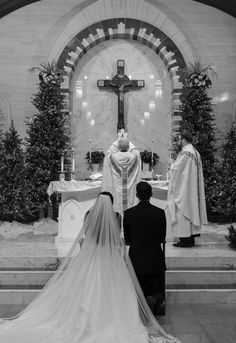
{"points": [[95, 159], [231, 237], [147, 158]]}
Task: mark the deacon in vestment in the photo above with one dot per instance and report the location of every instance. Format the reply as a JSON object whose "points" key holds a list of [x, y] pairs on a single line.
{"points": [[186, 195], [121, 173]]}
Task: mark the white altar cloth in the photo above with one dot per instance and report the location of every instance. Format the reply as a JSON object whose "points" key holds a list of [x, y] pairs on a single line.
{"points": [[78, 196], [159, 188], [71, 186]]}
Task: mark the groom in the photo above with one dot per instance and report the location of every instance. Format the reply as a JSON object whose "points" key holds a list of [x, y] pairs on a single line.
{"points": [[144, 231]]}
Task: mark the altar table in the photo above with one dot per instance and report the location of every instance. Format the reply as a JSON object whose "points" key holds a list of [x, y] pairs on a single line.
{"points": [[78, 196]]}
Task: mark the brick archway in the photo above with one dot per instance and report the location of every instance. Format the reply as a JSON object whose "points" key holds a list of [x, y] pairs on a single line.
{"points": [[132, 29]]}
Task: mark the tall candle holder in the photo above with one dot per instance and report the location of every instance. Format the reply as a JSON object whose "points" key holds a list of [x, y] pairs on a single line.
{"points": [[152, 161], [62, 172], [72, 173]]}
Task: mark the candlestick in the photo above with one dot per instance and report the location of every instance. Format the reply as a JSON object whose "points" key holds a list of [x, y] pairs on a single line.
{"points": [[62, 163]]}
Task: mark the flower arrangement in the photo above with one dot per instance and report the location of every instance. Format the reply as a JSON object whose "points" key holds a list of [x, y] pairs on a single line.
{"points": [[231, 237], [197, 75], [198, 80], [96, 157], [49, 72], [146, 157]]}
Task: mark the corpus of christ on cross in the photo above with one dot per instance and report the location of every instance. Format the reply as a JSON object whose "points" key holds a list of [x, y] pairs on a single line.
{"points": [[120, 84]]}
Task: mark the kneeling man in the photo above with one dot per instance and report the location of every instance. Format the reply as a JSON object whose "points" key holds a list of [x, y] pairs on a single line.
{"points": [[144, 231]]}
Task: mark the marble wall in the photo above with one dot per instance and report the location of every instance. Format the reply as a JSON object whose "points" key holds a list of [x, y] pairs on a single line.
{"points": [[41, 30], [147, 110]]}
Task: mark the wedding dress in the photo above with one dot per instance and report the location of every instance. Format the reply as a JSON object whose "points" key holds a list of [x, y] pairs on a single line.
{"points": [[94, 297]]}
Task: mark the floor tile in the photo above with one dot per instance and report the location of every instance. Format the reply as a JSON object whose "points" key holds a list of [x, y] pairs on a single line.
{"points": [[207, 314], [179, 310], [168, 329], [163, 319], [193, 338], [185, 324], [219, 334]]}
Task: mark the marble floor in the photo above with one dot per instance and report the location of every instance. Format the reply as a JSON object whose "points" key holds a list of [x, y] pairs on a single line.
{"points": [[212, 243], [191, 323], [41, 242]]}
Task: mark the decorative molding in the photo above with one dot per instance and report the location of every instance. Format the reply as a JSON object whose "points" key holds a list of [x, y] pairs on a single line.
{"points": [[228, 6], [123, 28]]}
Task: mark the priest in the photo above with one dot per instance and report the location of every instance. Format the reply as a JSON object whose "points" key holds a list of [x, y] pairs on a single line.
{"points": [[121, 172], [186, 196]]}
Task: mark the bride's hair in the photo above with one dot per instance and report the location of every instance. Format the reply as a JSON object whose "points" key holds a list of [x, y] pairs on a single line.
{"points": [[108, 194]]}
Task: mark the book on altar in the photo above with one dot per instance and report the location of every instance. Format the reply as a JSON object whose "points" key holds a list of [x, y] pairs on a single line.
{"points": [[96, 176]]}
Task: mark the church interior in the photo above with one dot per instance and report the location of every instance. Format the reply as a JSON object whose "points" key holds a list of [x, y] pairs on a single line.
{"points": [[149, 42]]}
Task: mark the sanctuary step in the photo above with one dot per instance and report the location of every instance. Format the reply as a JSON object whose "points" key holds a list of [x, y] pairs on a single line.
{"points": [[19, 287], [175, 279], [196, 284], [205, 273]]}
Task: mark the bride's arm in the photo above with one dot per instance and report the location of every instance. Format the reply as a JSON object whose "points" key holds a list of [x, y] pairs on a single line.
{"points": [[122, 247], [83, 233]]}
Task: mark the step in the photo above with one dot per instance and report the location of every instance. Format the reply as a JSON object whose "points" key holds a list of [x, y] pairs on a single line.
{"points": [[172, 262], [20, 277], [173, 296], [201, 262], [208, 276], [173, 277], [26, 262], [201, 296]]}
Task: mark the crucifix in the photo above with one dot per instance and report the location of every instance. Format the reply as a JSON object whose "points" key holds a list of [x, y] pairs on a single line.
{"points": [[120, 84]]}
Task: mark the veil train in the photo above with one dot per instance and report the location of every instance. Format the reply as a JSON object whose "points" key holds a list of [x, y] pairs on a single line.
{"points": [[94, 297]]}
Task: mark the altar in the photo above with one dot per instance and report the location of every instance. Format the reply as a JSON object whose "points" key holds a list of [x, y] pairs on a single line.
{"points": [[78, 196]]}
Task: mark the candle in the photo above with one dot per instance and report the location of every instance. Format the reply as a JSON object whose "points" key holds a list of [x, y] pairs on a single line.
{"points": [[170, 158], [62, 163], [152, 150], [90, 150], [73, 162]]}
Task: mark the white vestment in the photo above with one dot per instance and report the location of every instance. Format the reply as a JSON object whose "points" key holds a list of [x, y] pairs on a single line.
{"points": [[121, 173], [186, 195]]}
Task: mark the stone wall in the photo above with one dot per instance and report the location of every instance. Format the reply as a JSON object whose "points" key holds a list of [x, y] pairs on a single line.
{"points": [[42, 30]]}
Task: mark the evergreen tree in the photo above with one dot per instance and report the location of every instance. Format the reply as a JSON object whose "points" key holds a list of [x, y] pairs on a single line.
{"points": [[198, 118], [1, 168], [12, 177], [226, 204], [47, 135]]}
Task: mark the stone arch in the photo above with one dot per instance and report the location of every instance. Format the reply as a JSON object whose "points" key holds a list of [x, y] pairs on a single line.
{"points": [[132, 29]]}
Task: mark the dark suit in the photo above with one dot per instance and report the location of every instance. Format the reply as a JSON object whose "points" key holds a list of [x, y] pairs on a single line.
{"points": [[144, 231]]}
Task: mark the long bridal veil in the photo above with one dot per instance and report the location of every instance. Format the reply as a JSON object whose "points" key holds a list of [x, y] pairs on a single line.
{"points": [[94, 297]]}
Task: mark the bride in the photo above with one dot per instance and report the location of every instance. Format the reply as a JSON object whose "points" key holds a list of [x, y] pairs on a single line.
{"points": [[94, 297]]}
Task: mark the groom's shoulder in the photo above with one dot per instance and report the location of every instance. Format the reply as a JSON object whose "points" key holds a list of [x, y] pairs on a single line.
{"points": [[157, 209], [131, 209]]}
